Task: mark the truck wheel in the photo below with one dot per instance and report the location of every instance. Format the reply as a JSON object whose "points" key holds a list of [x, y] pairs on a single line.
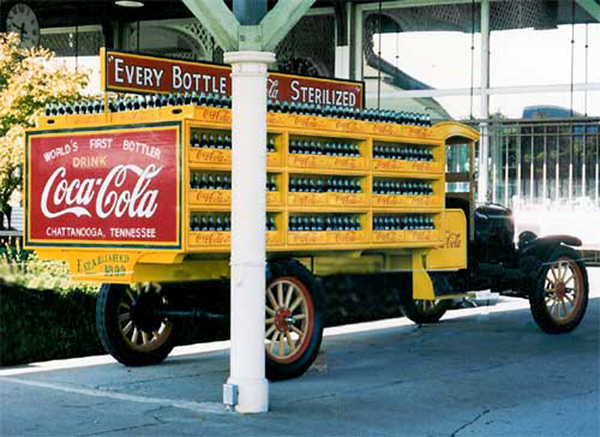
{"points": [[424, 311], [560, 298], [127, 324], [295, 316]]}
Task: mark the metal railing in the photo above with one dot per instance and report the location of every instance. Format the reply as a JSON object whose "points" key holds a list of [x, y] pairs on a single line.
{"points": [[550, 164]]}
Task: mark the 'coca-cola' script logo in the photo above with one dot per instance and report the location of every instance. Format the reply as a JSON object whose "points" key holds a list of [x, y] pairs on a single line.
{"points": [[272, 89], [453, 240], [111, 198]]}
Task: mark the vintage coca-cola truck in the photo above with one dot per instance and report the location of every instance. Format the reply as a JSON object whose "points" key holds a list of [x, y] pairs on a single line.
{"points": [[140, 199]]}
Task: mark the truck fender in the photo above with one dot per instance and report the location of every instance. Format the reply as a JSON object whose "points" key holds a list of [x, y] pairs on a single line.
{"points": [[534, 251], [569, 240], [530, 242]]}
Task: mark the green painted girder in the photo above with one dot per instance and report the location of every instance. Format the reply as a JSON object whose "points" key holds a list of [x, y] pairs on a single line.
{"points": [[232, 36], [281, 19], [218, 20], [591, 7]]}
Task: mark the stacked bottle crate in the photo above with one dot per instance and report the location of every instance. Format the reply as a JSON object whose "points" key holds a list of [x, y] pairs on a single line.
{"points": [[408, 191], [210, 183], [326, 189]]}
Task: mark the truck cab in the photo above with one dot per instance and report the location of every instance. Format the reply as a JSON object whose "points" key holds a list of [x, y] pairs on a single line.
{"points": [[546, 270]]}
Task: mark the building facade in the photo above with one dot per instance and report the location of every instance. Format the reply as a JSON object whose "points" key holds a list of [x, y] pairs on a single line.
{"points": [[480, 61]]}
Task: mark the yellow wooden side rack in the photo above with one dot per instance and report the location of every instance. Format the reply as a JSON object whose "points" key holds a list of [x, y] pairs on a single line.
{"points": [[333, 199]]}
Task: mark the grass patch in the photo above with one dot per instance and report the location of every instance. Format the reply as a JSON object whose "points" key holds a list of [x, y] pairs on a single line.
{"points": [[23, 267]]}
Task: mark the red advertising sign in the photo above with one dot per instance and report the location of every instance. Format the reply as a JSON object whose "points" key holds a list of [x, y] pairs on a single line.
{"points": [[128, 72], [105, 187]]}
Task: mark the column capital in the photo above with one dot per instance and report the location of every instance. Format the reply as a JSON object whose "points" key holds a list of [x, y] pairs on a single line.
{"points": [[249, 57]]}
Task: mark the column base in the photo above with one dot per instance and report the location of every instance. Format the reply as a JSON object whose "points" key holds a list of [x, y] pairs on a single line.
{"points": [[253, 395]]}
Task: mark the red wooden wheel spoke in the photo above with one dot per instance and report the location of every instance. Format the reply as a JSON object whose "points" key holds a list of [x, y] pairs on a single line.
{"points": [[289, 315], [562, 290]]}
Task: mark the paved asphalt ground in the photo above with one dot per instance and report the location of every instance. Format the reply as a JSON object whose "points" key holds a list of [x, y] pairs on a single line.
{"points": [[481, 372]]}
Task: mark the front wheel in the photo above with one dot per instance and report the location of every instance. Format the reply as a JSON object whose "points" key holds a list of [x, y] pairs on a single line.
{"points": [[295, 317], [424, 311], [559, 300], [128, 324]]}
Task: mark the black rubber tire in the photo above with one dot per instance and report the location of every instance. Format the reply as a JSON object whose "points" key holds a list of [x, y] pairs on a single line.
{"points": [[415, 311], [538, 295], [113, 338], [297, 364]]}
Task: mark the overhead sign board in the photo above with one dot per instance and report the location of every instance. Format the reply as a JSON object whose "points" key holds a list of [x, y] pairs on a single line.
{"points": [[128, 72]]}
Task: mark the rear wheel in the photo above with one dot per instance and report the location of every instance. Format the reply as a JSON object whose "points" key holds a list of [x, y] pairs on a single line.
{"points": [[559, 300], [424, 311], [128, 325], [295, 316]]}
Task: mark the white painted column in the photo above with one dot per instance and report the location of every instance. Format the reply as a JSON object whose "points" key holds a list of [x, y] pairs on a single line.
{"points": [[484, 141], [248, 216]]}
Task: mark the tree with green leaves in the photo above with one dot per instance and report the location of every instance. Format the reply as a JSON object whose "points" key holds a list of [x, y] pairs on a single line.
{"points": [[29, 80]]}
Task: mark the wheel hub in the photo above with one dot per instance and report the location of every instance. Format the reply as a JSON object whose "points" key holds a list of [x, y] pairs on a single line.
{"points": [[143, 311], [282, 318], [561, 290]]}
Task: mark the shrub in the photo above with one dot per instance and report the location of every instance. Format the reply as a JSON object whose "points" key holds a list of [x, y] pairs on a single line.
{"points": [[38, 325]]}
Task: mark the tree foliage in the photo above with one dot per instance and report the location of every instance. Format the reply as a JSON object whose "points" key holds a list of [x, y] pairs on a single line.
{"points": [[29, 80]]}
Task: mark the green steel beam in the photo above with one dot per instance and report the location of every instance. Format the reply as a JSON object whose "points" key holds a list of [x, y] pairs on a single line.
{"points": [[251, 38], [591, 7], [231, 36], [218, 20], [280, 20]]}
